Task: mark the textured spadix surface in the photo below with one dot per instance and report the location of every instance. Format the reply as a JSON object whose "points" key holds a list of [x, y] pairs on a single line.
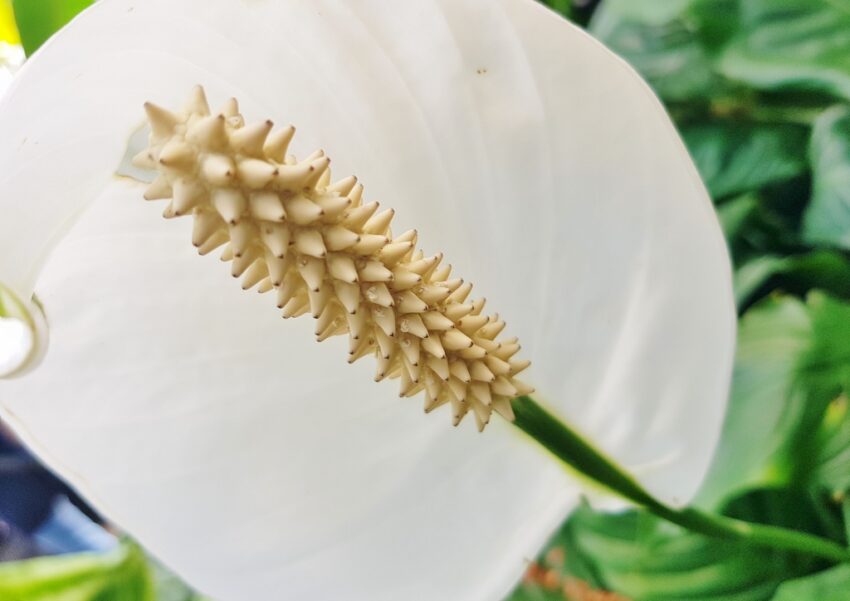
{"points": [[243, 453], [287, 227]]}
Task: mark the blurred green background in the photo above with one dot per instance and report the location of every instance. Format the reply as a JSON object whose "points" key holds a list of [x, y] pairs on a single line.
{"points": [[760, 91]]}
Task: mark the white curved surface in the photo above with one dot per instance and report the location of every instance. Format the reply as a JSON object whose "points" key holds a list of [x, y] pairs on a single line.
{"points": [[254, 461]]}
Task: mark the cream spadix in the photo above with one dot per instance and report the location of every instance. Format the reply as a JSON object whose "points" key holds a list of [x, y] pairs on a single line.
{"points": [[327, 252], [187, 410]]}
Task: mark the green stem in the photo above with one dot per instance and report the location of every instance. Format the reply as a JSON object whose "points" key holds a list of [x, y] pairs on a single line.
{"points": [[571, 448]]}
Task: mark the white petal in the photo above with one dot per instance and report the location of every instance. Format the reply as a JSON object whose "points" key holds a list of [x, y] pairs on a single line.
{"points": [[11, 58], [641, 319], [16, 340], [250, 458], [256, 462]]}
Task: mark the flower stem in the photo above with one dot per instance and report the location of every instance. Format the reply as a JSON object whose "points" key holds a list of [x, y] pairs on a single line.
{"points": [[571, 448]]}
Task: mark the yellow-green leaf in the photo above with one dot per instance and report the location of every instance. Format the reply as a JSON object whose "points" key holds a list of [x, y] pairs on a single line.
{"points": [[121, 575], [39, 19], [8, 29]]}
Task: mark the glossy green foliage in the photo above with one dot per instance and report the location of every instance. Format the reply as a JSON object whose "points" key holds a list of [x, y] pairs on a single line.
{"points": [[831, 585], [734, 158], [645, 558], [564, 7], [792, 45], [827, 218], [39, 19], [792, 367], [118, 576]]}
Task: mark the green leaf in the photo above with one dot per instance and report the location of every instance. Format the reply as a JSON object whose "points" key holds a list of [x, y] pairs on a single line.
{"points": [[833, 460], [763, 224], [734, 158], [118, 576], [827, 363], [827, 219], [797, 274], [736, 213], [792, 44], [661, 40], [40, 19], [826, 270], [564, 7], [646, 559], [648, 12], [793, 360], [8, 29], [766, 401], [754, 275], [830, 585], [845, 511], [717, 22]]}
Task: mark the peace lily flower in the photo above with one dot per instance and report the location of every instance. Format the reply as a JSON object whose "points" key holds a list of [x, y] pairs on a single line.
{"points": [[251, 459]]}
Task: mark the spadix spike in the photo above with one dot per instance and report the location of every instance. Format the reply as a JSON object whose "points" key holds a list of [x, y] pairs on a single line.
{"points": [[332, 255]]}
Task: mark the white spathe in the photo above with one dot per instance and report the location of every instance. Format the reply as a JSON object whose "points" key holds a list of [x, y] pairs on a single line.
{"points": [[11, 59], [256, 462]]}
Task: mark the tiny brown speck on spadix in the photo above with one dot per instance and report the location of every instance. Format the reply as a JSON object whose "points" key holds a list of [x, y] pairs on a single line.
{"points": [[325, 252]]}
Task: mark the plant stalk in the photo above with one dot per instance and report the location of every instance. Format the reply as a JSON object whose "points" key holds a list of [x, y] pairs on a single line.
{"points": [[571, 448]]}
